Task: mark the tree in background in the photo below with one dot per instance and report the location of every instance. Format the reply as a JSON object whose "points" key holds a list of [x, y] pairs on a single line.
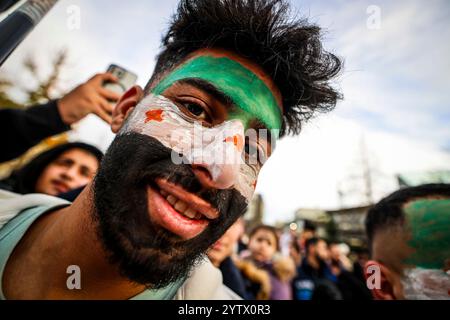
{"points": [[45, 90], [5, 99]]}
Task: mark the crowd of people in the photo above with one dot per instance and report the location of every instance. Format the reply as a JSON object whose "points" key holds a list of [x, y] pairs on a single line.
{"points": [[319, 270], [313, 269], [142, 227]]}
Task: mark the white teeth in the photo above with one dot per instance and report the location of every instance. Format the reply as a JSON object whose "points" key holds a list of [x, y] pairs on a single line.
{"points": [[190, 213], [172, 200], [180, 206]]}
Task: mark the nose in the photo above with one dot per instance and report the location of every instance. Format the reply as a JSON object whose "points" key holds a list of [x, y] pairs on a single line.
{"points": [[218, 163], [69, 174], [224, 179]]}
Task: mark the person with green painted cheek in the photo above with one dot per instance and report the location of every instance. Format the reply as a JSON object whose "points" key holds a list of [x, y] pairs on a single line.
{"points": [[409, 240], [141, 229]]}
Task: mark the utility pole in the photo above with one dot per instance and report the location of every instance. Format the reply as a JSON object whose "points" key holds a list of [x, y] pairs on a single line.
{"points": [[367, 172], [359, 183]]}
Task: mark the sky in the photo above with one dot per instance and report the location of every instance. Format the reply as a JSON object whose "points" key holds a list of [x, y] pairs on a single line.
{"points": [[395, 112]]}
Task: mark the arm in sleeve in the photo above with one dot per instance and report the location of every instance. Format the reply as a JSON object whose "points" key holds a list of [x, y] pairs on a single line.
{"points": [[22, 129]]}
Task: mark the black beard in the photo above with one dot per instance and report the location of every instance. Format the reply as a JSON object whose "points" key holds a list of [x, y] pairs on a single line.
{"points": [[145, 252]]}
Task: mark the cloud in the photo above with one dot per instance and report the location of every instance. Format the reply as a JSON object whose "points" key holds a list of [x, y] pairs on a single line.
{"points": [[306, 171], [398, 73], [395, 84]]}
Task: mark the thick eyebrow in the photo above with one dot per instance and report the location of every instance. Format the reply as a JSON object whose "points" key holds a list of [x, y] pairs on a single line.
{"points": [[209, 88], [225, 99], [65, 159]]}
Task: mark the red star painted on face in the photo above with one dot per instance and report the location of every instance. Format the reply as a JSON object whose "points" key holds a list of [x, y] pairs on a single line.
{"points": [[236, 140], [154, 115]]}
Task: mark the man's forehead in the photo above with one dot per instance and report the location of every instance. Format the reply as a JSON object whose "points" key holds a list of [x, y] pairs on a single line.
{"points": [[247, 63], [241, 82]]}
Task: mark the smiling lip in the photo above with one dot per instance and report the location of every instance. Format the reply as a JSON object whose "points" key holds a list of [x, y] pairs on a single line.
{"points": [[163, 213], [60, 186], [193, 200]]}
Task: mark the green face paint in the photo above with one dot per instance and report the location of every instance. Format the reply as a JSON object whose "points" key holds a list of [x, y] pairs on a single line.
{"points": [[247, 91], [429, 224]]}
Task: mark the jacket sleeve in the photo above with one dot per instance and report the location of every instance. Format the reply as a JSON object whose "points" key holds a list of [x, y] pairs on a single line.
{"points": [[22, 129]]}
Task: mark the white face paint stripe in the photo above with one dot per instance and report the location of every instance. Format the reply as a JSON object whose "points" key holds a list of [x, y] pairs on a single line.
{"points": [[219, 149], [425, 284]]}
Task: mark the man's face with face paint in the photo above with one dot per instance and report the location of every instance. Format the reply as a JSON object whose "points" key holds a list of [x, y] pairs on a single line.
{"points": [[157, 216], [415, 257]]}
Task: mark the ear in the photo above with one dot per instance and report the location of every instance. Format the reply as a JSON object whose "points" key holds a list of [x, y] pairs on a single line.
{"points": [[382, 282], [123, 108]]}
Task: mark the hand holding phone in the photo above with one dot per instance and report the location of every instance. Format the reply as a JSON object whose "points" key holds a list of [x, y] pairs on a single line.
{"points": [[89, 97], [126, 79]]}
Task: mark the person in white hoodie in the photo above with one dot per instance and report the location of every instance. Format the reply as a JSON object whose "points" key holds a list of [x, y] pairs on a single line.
{"points": [[232, 77]]}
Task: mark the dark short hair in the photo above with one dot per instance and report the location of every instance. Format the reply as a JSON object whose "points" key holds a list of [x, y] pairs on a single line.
{"points": [[288, 49], [389, 210], [309, 225], [24, 180], [266, 228], [312, 242]]}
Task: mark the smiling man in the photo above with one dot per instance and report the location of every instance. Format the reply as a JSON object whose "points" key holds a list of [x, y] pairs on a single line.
{"points": [[232, 77], [58, 170]]}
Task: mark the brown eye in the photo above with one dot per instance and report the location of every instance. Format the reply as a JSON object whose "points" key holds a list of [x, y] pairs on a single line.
{"points": [[196, 110], [85, 172]]}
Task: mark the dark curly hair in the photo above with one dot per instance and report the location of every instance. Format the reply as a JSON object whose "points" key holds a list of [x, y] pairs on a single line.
{"points": [[289, 50]]}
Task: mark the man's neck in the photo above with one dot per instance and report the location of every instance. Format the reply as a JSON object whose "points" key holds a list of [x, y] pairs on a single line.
{"points": [[37, 268]]}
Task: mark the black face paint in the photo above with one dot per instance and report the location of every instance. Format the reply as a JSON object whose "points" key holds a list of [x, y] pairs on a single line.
{"points": [[145, 252]]}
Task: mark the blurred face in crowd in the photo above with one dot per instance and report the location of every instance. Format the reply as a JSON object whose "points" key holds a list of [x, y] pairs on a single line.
{"points": [[335, 252], [74, 168], [179, 174], [322, 250], [319, 251], [307, 234], [414, 257], [294, 252], [224, 247], [263, 245]]}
